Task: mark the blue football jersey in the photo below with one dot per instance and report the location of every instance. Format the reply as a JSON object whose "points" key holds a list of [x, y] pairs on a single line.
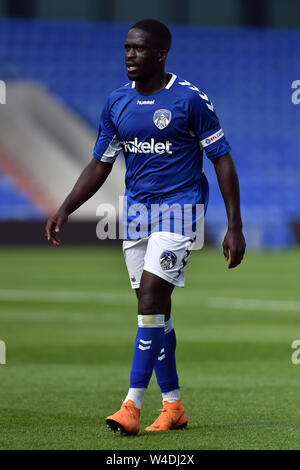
{"points": [[162, 137]]}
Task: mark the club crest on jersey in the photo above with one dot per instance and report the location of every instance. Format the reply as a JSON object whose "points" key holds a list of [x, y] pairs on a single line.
{"points": [[162, 118], [167, 260]]}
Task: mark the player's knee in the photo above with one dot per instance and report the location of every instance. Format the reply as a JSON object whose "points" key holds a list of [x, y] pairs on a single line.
{"points": [[150, 304], [147, 304]]}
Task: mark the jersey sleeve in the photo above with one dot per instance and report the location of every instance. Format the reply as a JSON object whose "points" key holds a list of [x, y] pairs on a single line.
{"points": [[206, 126], [107, 146]]}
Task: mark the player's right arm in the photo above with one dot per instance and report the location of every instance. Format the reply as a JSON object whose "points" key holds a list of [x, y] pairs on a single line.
{"points": [[106, 150], [88, 183]]}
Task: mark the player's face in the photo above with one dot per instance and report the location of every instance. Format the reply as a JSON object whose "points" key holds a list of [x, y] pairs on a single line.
{"points": [[142, 56]]}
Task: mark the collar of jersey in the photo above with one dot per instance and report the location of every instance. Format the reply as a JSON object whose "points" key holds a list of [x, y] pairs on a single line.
{"points": [[167, 87]]}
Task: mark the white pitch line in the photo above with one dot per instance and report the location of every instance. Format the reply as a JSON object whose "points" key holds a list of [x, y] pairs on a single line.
{"points": [[254, 304], [15, 295], [61, 317], [63, 296]]}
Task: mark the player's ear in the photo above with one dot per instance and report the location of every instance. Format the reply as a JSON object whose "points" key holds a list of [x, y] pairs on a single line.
{"points": [[162, 55]]}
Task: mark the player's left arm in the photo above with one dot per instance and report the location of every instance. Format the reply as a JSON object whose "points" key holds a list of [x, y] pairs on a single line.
{"points": [[234, 241], [205, 124]]}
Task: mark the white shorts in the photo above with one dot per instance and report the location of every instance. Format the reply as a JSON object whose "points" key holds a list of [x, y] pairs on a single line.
{"points": [[162, 253]]}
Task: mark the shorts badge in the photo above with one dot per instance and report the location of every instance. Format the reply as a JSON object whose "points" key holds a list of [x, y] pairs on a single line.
{"points": [[162, 118], [167, 260]]}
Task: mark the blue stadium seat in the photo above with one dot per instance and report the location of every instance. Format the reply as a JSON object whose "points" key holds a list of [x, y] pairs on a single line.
{"points": [[246, 72], [15, 204]]}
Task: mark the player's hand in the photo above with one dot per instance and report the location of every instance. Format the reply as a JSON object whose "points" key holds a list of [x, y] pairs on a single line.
{"points": [[54, 226], [234, 246]]}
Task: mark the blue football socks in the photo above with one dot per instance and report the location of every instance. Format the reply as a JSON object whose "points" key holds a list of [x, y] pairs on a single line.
{"points": [[148, 344], [165, 367]]}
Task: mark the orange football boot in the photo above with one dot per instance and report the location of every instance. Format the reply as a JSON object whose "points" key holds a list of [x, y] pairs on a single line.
{"points": [[172, 416], [126, 420]]}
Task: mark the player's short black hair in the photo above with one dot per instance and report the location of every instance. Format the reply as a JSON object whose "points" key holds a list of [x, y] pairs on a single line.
{"points": [[158, 30]]}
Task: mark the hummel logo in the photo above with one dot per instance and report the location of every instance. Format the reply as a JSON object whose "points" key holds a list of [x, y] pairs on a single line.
{"points": [[144, 348], [163, 356], [145, 102], [200, 93]]}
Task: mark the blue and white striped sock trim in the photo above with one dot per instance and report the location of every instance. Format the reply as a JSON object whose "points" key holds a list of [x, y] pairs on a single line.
{"points": [[151, 321]]}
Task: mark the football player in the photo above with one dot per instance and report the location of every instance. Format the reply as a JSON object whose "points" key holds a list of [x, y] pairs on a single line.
{"points": [[162, 123]]}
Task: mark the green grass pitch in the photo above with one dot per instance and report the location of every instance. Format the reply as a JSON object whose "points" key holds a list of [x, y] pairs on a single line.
{"points": [[68, 318]]}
